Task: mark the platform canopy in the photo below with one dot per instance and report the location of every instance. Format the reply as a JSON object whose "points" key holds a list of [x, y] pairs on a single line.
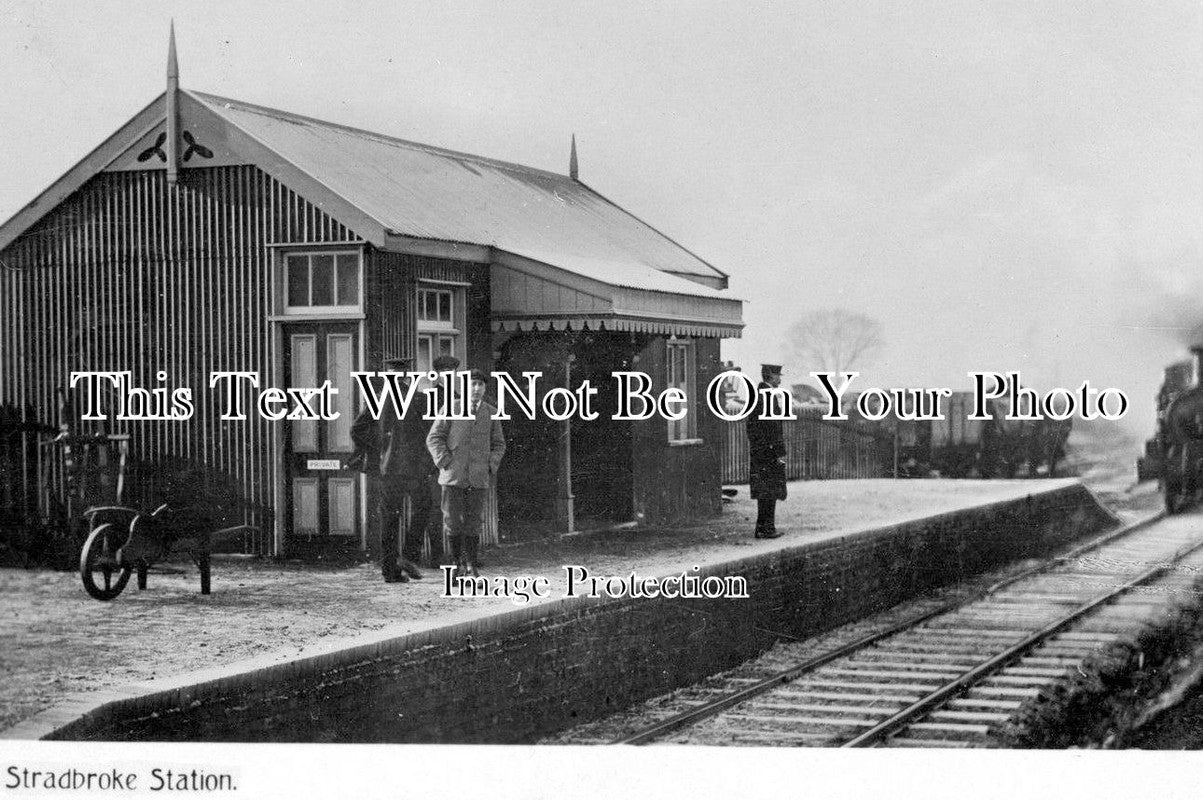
{"points": [[528, 295], [561, 255]]}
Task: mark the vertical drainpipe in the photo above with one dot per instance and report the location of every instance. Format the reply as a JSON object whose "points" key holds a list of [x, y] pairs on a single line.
{"points": [[173, 112], [565, 512]]}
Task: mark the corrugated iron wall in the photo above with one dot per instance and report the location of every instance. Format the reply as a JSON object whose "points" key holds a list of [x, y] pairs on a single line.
{"points": [[131, 274], [674, 484], [393, 280], [393, 324]]}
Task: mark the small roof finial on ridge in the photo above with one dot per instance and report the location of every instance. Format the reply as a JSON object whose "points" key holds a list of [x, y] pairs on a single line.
{"points": [[572, 164]]}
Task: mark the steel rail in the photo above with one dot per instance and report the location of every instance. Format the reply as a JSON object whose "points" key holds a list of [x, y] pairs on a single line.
{"points": [[994, 663], [686, 718]]}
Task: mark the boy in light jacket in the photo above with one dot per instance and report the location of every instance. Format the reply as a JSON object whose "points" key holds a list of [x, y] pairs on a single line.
{"points": [[468, 453]]}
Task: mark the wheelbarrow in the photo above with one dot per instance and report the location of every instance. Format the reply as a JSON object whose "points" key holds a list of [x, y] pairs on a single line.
{"points": [[123, 541]]}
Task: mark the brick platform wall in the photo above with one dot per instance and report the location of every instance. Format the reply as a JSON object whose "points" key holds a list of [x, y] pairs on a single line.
{"points": [[515, 676]]}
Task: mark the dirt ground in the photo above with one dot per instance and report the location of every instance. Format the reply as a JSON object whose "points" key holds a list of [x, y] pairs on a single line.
{"points": [[57, 641]]}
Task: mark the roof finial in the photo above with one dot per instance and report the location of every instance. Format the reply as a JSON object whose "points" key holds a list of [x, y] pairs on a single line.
{"points": [[173, 110], [572, 165], [173, 67]]}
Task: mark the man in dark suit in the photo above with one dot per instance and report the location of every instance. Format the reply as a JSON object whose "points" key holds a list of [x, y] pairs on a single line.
{"points": [[766, 454], [397, 445]]}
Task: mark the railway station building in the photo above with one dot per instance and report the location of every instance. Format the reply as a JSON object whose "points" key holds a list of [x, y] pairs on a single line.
{"points": [[210, 234]]}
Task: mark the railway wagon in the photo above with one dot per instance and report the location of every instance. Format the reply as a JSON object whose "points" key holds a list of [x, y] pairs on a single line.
{"points": [[959, 447], [949, 447]]}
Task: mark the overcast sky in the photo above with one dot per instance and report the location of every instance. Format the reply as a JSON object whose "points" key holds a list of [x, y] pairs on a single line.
{"points": [[1002, 185]]}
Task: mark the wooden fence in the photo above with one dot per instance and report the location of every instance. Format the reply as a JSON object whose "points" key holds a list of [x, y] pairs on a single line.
{"points": [[19, 464], [48, 478], [817, 449]]}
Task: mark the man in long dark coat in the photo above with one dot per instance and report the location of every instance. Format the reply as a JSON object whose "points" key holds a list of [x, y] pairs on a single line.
{"points": [[397, 449], [766, 454]]}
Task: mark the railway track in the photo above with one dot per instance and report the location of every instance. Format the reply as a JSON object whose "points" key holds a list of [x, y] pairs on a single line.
{"points": [[955, 674]]}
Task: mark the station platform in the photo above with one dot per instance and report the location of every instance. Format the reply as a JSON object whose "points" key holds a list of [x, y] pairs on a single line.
{"points": [[297, 652]]}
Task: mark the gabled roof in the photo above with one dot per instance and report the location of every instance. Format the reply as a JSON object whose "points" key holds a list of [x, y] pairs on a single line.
{"points": [[392, 189], [561, 255], [151, 116], [429, 192]]}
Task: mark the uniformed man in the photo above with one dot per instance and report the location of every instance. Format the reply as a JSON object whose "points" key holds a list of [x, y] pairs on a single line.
{"points": [[397, 453], [766, 453]]}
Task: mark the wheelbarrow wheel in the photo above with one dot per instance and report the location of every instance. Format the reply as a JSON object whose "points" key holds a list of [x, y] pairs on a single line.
{"points": [[103, 577]]}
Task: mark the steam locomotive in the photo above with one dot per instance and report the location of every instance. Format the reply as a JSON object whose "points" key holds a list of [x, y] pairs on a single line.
{"points": [[1179, 378], [1175, 453]]}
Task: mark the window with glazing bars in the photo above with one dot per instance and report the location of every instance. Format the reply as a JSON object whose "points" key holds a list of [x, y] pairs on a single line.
{"points": [[439, 331], [681, 369], [322, 280]]}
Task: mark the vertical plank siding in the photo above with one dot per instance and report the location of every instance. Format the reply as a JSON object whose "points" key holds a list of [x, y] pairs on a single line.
{"points": [[816, 449], [132, 274]]}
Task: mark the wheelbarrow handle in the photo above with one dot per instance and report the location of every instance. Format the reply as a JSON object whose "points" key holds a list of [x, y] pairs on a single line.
{"points": [[235, 529]]}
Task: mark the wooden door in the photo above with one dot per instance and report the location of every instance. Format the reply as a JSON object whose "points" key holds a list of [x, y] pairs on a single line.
{"points": [[322, 497]]}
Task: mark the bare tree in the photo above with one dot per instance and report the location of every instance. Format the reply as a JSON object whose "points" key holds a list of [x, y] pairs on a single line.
{"points": [[833, 340]]}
